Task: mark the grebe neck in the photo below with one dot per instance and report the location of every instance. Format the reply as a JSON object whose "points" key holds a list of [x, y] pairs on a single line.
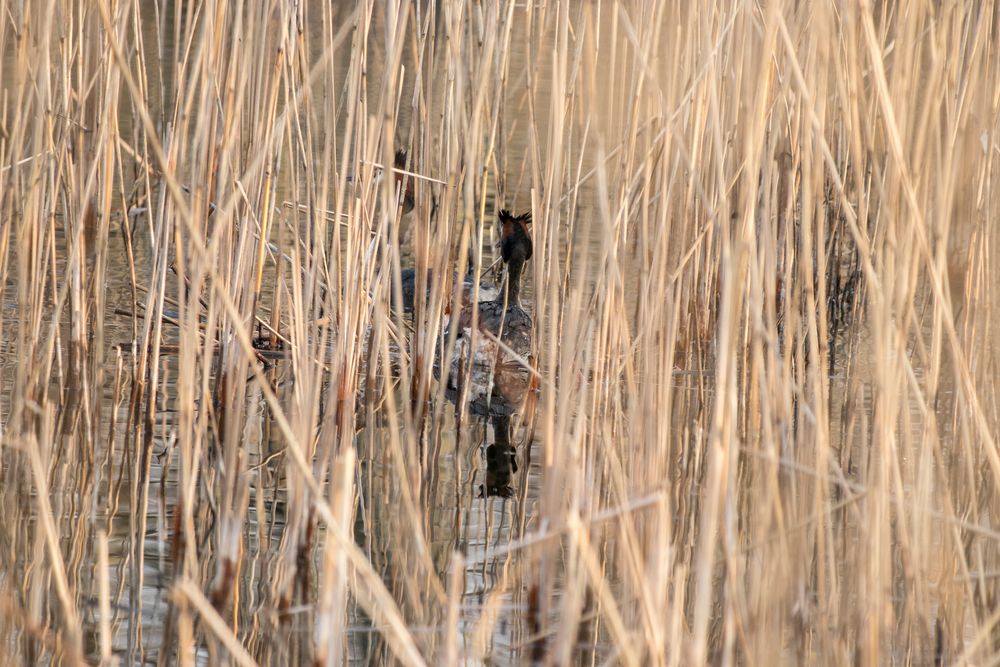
{"points": [[514, 270]]}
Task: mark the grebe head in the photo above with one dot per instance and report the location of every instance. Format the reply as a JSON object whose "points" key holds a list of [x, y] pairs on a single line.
{"points": [[516, 249], [515, 239]]}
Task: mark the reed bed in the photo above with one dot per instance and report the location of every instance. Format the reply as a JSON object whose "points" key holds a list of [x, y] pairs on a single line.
{"points": [[766, 417]]}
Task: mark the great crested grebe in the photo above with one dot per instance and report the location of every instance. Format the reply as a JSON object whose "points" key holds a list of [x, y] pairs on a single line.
{"points": [[496, 376]]}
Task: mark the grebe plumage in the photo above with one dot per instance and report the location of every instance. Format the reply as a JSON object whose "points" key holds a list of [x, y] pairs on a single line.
{"points": [[408, 277]]}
